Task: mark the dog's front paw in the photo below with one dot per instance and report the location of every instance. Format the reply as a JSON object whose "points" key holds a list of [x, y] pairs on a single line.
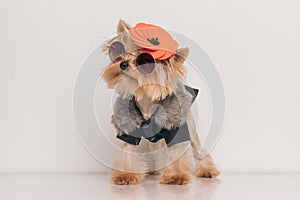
{"points": [[207, 173], [178, 179], [121, 178], [206, 168]]}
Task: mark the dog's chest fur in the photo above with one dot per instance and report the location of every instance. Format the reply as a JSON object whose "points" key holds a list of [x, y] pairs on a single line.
{"points": [[144, 105]]}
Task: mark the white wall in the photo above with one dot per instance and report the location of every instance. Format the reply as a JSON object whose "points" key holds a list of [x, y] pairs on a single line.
{"points": [[255, 45]]}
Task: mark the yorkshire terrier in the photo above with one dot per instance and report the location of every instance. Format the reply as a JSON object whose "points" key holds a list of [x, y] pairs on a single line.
{"points": [[152, 114]]}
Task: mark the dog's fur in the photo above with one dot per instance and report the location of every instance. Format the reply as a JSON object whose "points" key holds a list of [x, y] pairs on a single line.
{"points": [[167, 79]]}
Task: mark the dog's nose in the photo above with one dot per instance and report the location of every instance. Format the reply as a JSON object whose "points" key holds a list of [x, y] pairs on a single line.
{"points": [[124, 65]]}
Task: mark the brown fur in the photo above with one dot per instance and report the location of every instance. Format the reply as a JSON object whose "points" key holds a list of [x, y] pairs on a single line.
{"points": [[130, 165], [112, 75], [147, 90], [178, 173], [206, 168], [159, 85], [125, 178]]}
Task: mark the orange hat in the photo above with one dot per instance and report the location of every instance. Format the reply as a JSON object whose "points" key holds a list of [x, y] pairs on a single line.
{"points": [[154, 40]]}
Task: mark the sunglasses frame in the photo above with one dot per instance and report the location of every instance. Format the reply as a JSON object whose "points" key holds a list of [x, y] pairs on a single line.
{"points": [[125, 52]]}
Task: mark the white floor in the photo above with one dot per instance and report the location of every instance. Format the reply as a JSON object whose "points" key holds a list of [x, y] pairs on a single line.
{"points": [[89, 187]]}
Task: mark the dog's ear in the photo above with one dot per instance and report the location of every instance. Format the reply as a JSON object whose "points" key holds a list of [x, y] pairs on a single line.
{"points": [[181, 55], [122, 27], [178, 59]]}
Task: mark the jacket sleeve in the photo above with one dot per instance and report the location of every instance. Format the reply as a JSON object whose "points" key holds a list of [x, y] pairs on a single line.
{"points": [[173, 110], [176, 110], [126, 118]]}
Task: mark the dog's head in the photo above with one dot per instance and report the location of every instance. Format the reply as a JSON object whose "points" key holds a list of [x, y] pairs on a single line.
{"points": [[135, 71]]}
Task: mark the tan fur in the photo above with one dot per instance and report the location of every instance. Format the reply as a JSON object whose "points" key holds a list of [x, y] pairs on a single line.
{"points": [[158, 85], [125, 178], [178, 173], [125, 166], [147, 90], [205, 166], [112, 75]]}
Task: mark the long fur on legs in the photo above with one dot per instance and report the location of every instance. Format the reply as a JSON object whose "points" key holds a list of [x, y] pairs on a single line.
{"points": [[205, 166], [126, 165], [178, 173]]}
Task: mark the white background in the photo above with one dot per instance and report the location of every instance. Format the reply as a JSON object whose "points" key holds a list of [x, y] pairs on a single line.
{"points": [[255, 45]]}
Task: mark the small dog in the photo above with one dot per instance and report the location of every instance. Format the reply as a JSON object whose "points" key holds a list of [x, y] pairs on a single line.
{"points": [[152, 114]]}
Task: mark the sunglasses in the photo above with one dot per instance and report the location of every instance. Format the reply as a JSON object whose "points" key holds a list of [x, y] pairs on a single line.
{"points": [[145, 62]]}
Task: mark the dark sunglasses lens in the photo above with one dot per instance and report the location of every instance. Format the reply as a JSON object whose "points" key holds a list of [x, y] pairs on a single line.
{"points": [[145, 63], [116, 49]]}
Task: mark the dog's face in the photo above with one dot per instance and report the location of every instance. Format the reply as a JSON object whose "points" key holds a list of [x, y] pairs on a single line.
{"points": [[127, 77]]}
